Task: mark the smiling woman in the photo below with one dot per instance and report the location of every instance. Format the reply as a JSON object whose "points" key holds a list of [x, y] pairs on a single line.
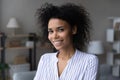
{"points": [[67, 27]]}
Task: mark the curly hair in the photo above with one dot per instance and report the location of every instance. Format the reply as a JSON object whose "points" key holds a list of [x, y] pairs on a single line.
{"points": [[75, 15]]}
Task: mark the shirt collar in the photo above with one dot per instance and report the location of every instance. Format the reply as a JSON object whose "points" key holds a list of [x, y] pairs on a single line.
{"points": [[56, 59]]}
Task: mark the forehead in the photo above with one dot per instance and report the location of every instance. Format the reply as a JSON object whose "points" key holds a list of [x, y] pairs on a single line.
{"points": [[55, 22]]}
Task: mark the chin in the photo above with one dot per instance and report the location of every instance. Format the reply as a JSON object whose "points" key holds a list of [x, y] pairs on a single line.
{"points": [[58, 48]]}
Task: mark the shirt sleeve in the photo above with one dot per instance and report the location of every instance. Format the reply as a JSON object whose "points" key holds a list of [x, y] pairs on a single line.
{"points": [[39, 69], [92, 69]]}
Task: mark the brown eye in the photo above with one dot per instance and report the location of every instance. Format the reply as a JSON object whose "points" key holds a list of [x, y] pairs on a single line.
{"points": [[50, 31], [60, 29]]}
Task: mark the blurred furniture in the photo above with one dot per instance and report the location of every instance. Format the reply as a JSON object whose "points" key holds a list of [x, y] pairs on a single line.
{"points": [[3, 47], [113, 46], [105, 73], [2, 62], [95, 47], [13, 24], [18, 68], [29, 75]]}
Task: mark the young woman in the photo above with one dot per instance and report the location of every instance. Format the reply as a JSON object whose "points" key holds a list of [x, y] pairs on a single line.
{"points": [[67, 27]]}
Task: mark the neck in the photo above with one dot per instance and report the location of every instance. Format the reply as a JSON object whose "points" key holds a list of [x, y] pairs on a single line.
{"points": [[66, 54]]}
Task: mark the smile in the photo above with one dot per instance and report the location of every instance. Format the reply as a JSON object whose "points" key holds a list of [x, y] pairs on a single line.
{"points": [[57, 43]]}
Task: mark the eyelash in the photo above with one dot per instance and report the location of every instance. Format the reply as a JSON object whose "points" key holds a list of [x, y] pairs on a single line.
{"points": [[60, 30]]}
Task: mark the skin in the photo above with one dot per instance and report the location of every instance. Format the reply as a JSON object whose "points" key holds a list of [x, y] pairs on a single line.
{"points": [[60, 35]]}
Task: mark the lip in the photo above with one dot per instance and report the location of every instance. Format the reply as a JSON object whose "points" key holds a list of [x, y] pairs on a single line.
{"points": [[57, 42]]}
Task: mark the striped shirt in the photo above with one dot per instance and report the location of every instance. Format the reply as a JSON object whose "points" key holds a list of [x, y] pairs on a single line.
{"points": [[81, 66]]}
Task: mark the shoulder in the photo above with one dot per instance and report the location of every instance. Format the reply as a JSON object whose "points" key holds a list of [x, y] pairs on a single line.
{"points": [[48, 56], [87, 56]]}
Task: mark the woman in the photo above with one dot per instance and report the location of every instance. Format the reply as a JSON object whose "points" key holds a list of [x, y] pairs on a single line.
{"points": [[68, 28]]}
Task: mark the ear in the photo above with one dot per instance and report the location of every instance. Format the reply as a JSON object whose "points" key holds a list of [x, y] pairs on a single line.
{"points": [[74, 30]]}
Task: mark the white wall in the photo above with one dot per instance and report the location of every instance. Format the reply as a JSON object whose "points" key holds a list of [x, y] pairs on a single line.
{"points": [[100, 11], [24, 11]]}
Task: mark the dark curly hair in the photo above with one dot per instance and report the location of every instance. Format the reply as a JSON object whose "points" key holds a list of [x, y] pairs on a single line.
{"points": [[75, 15]]}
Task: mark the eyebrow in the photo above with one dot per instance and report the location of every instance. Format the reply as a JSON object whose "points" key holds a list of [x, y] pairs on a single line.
{"points": [[60, 27], [56, 28]]}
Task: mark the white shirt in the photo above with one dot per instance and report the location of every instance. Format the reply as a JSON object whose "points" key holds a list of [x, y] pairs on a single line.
{"points": [[81, 66]]}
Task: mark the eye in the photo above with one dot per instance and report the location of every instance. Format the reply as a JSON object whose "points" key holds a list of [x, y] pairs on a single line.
{"points": [[50, 31], [60, 29]]}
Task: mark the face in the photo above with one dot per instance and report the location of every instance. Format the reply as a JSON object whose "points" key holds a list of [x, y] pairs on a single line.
{"points": [[60, 33]]}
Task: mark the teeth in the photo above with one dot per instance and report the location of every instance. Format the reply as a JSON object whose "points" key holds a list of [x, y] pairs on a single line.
{"points": [[57, 42]]}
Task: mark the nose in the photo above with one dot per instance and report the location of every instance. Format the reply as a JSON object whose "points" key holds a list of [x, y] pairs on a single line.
{"points": [[55, 35]]}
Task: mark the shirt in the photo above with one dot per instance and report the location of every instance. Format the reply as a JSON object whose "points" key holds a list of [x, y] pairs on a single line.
{"points": [[81, 66]]}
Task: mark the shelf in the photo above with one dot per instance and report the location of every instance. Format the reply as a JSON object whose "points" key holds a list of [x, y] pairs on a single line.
{"points": [[19, 47], [20, 35], [17, 42]]}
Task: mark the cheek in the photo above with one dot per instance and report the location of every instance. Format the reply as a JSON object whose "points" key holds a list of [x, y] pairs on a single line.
{"points": [[67, 35], [68, 38], [49, 37]]}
